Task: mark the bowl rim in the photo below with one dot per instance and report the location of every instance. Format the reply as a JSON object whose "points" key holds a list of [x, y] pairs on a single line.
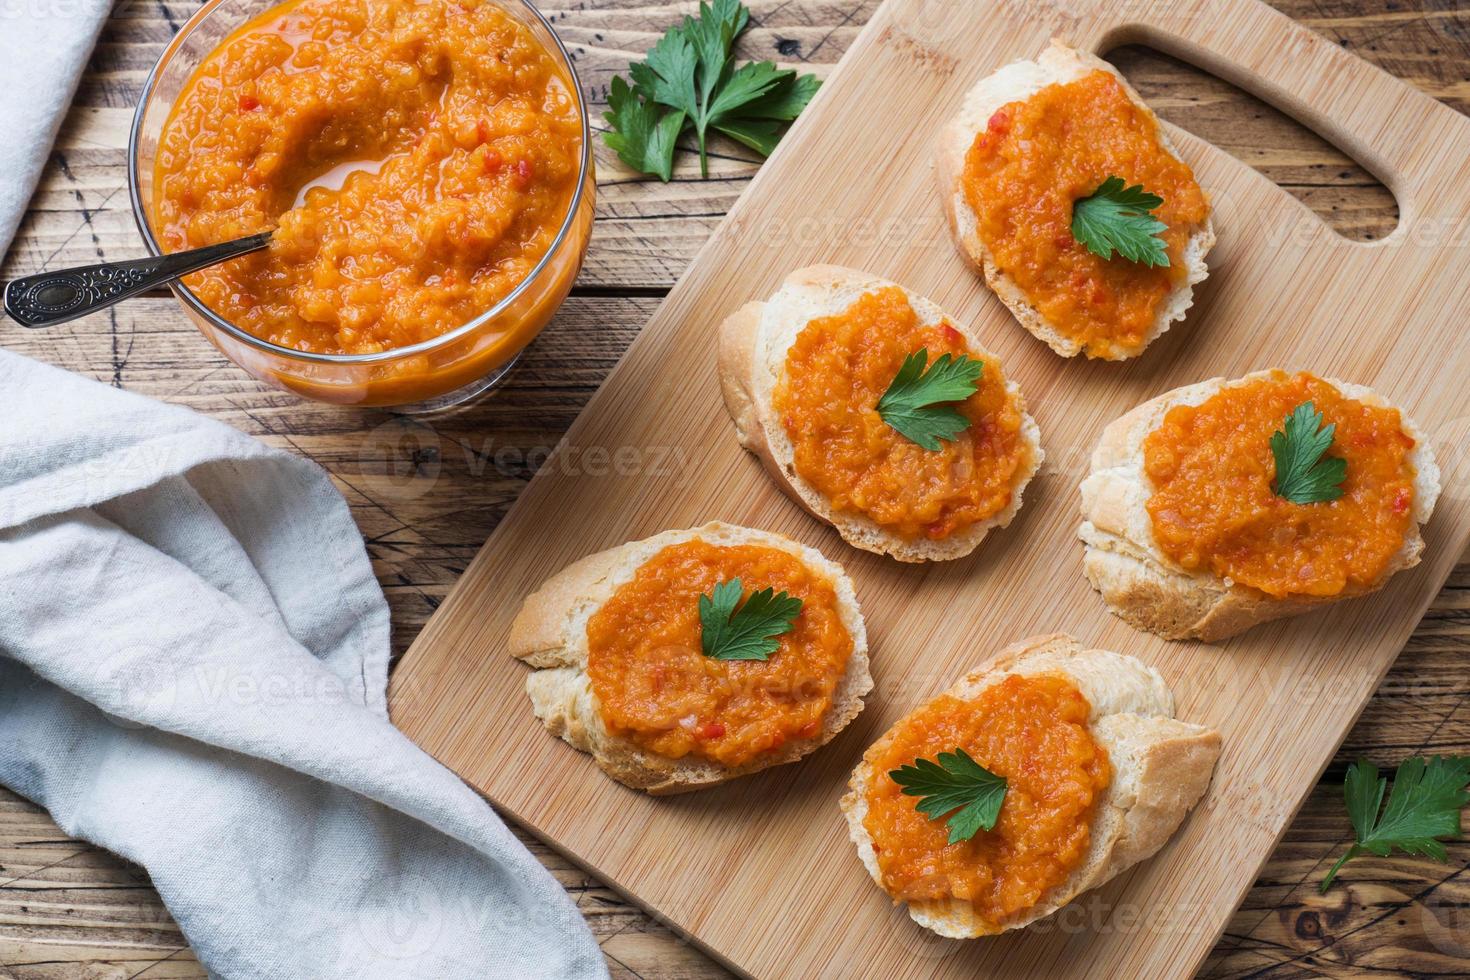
{"points": [[192, 302]]}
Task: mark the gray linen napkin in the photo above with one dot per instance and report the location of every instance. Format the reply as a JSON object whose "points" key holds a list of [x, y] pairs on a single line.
{"points": [[44, 45], [193, 658]]}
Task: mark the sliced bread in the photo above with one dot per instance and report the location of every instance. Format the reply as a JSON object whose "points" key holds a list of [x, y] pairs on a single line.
{"points": [[1017, 82], [1141, 585], [1160, 769], [753, 344], [550, 634]]}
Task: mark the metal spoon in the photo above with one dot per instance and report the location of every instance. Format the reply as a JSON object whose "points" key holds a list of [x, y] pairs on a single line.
{"points": [[48, 298]]}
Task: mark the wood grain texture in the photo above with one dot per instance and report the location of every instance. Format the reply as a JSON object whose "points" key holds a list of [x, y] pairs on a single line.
{"points": [[646, 232], [427, 496], [1285, 290]]}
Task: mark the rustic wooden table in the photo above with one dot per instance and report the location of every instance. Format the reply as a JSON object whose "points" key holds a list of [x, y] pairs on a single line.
{"points": [[427, 494]]}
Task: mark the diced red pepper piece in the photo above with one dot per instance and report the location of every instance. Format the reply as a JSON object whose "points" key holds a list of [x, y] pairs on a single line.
{"points": [[525, 172]]}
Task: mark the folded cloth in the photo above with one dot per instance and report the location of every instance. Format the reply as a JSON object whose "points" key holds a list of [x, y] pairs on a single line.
{"points": [[44, 45], [193, 659]]}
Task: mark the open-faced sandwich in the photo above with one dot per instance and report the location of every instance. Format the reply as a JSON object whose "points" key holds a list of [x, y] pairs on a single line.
{"points": [[1061, 187], [878, 413], [1224, 504], [695, 656], [1044, 772]]}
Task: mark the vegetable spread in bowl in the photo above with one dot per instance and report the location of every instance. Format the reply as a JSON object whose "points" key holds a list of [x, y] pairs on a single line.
{"points": [[417, 160]]}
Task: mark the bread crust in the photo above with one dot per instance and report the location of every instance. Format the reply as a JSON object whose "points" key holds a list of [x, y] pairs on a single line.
{"points": [[1123, 561], [550, 634], [1161, 768], [752, 350], [1017, 82]]}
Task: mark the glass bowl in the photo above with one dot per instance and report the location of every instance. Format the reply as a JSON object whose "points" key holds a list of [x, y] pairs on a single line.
{"points": [[426, 376]]}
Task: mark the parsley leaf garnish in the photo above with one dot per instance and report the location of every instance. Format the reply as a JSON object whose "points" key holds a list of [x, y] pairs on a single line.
{"points": [[642, 138], [1303, 474], [914, 403], [667, 76], [747, 633], [955, 783], [1423, 808], [1117, 218], [689, 82]]}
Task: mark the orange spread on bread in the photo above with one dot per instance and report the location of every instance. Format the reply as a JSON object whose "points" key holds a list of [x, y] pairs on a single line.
{"points": [[836, 371], [1025, 170], [1213, 509], [655, 686], [1030, 729]]}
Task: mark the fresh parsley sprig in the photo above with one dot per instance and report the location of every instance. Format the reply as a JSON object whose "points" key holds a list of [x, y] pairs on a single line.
{"points": [[689, 82], [748, 632], [957, 785], [1423, 808], [1304, 473], [1118, 218], [918, 403]]}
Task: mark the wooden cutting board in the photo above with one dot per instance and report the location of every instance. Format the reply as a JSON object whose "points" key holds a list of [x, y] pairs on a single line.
{"points": [[760, 872]]}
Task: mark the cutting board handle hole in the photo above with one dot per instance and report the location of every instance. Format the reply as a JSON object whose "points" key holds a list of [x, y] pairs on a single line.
{"points": [[1342, 191]]}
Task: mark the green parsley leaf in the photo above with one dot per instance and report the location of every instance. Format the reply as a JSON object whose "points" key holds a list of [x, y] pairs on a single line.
{"points": [[761, 135], [1117, 218], [785, 101], [1423, 808], [760, 122], [690, 73], [667, 77], [747, 633], [751, 81], [713, 35], [1303, 474], [643, 138], [914, 403], [956, 784]]}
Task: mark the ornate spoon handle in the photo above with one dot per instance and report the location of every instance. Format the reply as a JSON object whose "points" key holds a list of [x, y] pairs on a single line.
{"points": [[49, 298]]}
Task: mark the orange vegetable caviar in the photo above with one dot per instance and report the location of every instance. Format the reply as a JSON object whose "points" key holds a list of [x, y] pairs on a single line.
{"points": [[1022, 175], [1213, 508], [838, 368], [1033, 731], [417, 158], [655, 685]]}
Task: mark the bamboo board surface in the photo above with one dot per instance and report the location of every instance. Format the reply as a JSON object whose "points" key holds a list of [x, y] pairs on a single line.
{"points": [[1284, 290]]}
